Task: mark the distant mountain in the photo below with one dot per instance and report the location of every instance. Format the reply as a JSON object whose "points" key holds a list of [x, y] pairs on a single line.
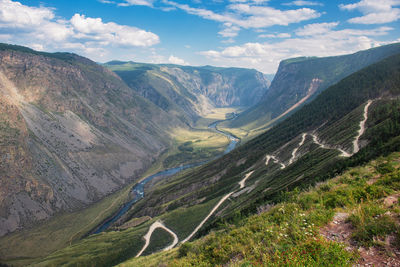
{"points": [[188, 92], [299, 80], [71, 132]]}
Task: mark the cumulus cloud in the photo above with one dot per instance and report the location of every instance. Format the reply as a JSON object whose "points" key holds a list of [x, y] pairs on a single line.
{"points": [[229, 30], [374, 12], [137, 3], [245, 14], [16, 15], [303, 3], [111, 33], [316, 28], [276, 35], [176, 60], [311, 40], [39, 28]]}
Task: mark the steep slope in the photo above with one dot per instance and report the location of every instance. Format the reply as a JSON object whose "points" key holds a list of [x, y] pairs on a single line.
{"points": [[298, 80], [336, 223], [334, 117], [71, 132], [314, 144], [189, 92]]}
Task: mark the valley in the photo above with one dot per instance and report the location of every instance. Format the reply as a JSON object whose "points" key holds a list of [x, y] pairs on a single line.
{"points": [[144, 161]]}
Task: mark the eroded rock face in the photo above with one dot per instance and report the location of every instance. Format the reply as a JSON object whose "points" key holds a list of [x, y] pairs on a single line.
{"points": [[190, 92], [223, 87], [71, 132]]}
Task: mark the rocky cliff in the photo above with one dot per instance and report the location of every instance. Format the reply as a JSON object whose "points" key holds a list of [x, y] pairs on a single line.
{"points": [[192, 91], [71, 132]]}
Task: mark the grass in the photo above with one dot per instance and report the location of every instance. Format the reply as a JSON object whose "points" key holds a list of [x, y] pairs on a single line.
{"points": [[183, 220], [23, 247], [152, 260], [159, 240], [113, 247], [220, 114], [104, 249], [193, 145], [288, 233]]}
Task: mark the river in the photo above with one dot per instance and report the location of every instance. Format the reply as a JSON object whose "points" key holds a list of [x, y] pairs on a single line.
{"points": [[138, 189]]}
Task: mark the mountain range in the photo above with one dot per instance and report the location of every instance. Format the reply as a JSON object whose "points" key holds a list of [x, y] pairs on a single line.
{"points": [[191, 92], [300, 80], [73, 131]]}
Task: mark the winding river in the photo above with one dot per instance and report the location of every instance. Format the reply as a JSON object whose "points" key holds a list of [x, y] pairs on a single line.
{"points": [[138, 189]]}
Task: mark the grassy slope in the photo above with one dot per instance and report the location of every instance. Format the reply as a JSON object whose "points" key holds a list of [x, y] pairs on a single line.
{"points": [[288, 233], [330, 70], [313, 166], [112, 247], [344, 99], [232, 177], [62, 230]]}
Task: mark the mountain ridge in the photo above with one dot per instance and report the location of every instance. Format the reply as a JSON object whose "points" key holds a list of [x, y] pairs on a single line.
{"points": [[65, 103], [192, 91], [295, 77]]}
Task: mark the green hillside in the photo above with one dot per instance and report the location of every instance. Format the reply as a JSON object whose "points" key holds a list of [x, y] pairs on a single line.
{"points": [[298, 81], [333, 224], [299, 161]]}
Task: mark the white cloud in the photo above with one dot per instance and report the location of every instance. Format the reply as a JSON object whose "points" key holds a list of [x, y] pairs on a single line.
{"points": [[229, 31], [264, 16], [176, 60], [248, 15], [106, 1], [39, 28], [276, 35], [316, 28], [374, 12], [303, 3], [16, 15], [111, 33], [310, 42], [249, 1], [137, 3]]}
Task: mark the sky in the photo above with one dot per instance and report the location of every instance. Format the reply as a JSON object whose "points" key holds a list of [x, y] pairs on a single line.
{"points": [[228, 33]]}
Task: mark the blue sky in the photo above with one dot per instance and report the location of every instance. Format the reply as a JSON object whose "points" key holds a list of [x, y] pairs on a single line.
{"points": [[241, 33]]}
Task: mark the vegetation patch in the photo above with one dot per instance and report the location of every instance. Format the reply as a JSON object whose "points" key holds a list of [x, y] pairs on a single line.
{"points": [[288, 233]]}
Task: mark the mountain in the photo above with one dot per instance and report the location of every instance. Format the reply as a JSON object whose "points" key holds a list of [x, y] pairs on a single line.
{"points": [[190, 92], [348, 124], [71, 132], [299, 80]]}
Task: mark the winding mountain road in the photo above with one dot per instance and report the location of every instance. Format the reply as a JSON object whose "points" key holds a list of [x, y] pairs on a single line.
{"points": [[356, 142], [316, 141], [268, 158], [153, 227], [303, 138], [241, 184], [207, 217]]}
